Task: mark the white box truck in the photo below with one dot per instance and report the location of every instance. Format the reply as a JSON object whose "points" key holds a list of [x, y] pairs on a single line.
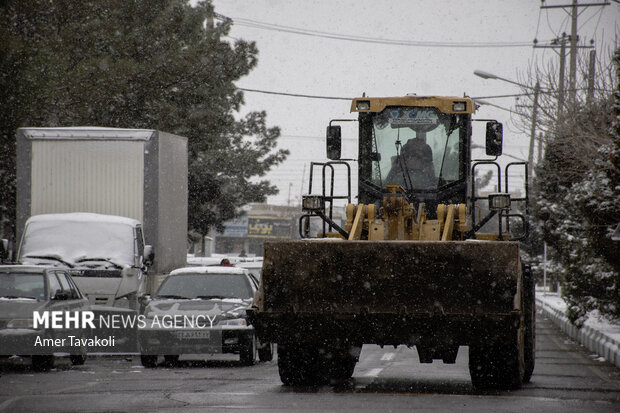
{"points": [[99, 200]]}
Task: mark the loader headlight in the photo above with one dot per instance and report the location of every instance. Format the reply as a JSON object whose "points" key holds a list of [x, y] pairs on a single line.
{"points": [[312, 203], [362, 105], [459, 106], [499, 201]]}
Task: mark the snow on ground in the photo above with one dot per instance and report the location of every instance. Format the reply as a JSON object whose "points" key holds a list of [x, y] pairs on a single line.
{"points": [[594, 321]]}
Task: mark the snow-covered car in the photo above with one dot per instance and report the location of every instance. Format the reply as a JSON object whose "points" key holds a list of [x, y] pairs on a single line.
{"points": [[253, 264], [28, 290], [200, 310]]}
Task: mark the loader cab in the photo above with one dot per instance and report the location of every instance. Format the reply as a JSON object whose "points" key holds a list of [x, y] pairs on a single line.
{"points": [[420, 143]]}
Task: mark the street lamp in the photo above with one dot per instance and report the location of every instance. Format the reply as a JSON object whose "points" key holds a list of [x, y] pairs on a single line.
{"points": [[484, 102], [530, 158]]}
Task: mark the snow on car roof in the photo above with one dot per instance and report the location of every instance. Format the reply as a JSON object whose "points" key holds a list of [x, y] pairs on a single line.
{"points": [[25, 268], [213, 269], [88, 132], [84, 217]]}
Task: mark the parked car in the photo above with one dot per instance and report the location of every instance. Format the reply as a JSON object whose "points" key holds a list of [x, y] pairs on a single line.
{"points": [[201, 310], [26, 289]]}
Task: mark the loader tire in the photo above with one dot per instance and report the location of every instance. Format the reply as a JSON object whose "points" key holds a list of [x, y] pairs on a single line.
{"points": [[300, 365], [499, 365], [341, 369]]}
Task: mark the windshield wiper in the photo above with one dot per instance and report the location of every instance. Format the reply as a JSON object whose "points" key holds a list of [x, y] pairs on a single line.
{"points": [[84, 259], [210, 297], [171, 296], [51, 257]]}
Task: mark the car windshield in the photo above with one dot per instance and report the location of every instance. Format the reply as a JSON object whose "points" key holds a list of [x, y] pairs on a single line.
{"points": [[22, 285], [205, 286], [418, 147], [71, 241]]}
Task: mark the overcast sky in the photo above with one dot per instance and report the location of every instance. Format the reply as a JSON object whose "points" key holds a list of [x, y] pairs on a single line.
{"points": [[319, 65]]}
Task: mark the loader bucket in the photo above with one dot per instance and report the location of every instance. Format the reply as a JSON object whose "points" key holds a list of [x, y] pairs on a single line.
{"points": [[382, 277]]}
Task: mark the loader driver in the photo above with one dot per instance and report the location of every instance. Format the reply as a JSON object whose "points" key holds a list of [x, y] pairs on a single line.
{"points": [[413, 168]]}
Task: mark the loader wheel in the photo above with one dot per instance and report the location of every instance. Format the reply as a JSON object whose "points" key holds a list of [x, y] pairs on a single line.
{"points": [[498, 365], [341, 368], [300, 365]]}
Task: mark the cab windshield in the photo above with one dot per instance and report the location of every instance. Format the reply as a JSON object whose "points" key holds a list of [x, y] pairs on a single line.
{"points": [[418, 148]]}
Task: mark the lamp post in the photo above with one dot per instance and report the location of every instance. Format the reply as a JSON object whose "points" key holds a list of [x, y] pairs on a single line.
{"points": [[530, 158]]}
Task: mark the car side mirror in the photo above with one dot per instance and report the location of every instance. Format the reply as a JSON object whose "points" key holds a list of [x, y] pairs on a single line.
{"points": [[494, 138], [61, 295], [4, 249], [333, 142], [149, 255], [144, 300]]}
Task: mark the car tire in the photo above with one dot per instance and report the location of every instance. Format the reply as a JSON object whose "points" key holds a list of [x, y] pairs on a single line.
{"points": [[247, 354], [77, 359], [148, 361], [171, 360], [42, 363]]}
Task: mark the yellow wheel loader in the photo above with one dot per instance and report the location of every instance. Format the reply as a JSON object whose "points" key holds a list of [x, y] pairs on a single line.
{"points": [[411, 264]]}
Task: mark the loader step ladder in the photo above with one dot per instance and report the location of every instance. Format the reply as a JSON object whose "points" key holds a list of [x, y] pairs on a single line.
{"points": [[326, 191], [523, 201]]}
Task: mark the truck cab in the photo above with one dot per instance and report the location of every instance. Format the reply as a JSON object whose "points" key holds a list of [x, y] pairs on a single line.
{"points": [[105, 254]]}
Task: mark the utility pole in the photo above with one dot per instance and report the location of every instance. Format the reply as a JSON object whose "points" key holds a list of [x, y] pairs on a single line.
{"points": [[541, 137], [561, 79], [591, 76], [574, 39], [572, 77], [530, 157]]}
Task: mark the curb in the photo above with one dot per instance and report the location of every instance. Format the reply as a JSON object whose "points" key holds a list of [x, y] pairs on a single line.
{"points": [[596, 341]]}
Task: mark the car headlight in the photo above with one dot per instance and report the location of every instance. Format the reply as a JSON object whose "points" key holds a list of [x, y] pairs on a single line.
{"points": [[20, 323], [233, 322]]}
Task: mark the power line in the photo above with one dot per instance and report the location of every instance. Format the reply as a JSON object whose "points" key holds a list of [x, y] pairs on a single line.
{"points": [[364, 39], [268, 92]]}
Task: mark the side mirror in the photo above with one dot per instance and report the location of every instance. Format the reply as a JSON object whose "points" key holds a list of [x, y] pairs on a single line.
{"points": [[333, 142], [494, 138], [144, 300], [4, 249], [149, 255], [61, 295]]}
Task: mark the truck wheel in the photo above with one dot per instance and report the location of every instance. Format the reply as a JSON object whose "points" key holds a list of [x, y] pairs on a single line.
{"points": [[42, 363], [247, 354], [265, 353], [148, 361], [300, 365], [498, 365], [529, 289]]}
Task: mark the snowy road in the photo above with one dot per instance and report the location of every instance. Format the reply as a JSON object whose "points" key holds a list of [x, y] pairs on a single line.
{"points": [[567, 379]]}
